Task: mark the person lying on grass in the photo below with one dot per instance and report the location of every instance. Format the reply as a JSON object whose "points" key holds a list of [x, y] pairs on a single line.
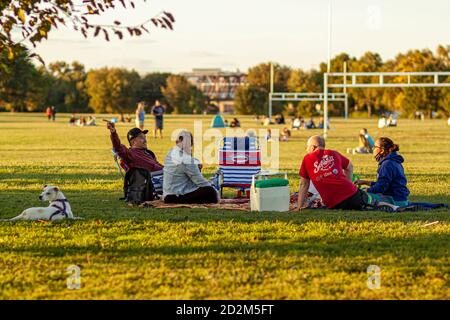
{"points": [[391, 179], [137, 156], [183, 182], [332, 174]]}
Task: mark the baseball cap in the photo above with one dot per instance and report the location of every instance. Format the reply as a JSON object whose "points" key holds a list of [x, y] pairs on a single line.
{"points": [[133, 133]]}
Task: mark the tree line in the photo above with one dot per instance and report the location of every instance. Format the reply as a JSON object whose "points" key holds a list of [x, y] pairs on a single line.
{"points": [[253, 98], [71, 88]]}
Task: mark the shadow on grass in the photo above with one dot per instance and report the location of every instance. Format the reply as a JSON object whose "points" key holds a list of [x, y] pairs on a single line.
{"points": [[91, 205], [435, 246], [52, 177]]}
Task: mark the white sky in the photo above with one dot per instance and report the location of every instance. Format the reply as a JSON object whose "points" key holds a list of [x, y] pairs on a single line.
{"points": [[231, 34]]}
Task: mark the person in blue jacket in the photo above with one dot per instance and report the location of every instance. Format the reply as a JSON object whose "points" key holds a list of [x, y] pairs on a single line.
{"points": [[391, 179]]}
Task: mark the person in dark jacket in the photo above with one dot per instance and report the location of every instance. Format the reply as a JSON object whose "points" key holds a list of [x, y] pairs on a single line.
{"points": [[391, 179]]}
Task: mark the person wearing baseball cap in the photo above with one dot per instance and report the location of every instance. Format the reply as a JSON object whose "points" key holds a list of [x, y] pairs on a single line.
{"points": [[137, 155], [134, 133]]}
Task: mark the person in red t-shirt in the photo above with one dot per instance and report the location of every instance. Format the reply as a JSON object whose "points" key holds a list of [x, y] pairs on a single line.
{"points": [[330, 172]]}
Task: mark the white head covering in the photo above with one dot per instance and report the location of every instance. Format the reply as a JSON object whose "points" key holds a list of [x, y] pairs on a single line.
{"points": [[186, 144]]}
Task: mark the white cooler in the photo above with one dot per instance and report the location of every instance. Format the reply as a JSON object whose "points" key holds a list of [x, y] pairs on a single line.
{"points": [[269, 198]]}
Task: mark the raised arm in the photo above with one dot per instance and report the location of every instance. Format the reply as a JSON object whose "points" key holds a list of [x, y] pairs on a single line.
{"points": [[121, 150]]}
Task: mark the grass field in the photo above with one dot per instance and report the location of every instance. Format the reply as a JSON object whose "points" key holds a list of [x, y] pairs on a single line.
{"points": [[130, 253]]}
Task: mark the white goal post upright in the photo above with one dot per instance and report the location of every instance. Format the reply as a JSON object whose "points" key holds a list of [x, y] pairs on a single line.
{"points": [[271, 91], [382, 83]]}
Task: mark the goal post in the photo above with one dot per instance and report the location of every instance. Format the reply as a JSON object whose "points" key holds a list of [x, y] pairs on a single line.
{"points": [[409, 81]]}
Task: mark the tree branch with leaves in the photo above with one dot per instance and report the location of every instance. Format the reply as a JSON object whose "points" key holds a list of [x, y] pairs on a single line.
{"points": [[24, 23]]}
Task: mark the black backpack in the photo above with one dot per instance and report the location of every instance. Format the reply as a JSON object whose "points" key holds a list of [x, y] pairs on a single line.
{"points": [[138, 186]]}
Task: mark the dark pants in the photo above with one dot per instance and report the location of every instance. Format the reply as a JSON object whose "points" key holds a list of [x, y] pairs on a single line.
{"points": [[358, 201], [201, 195], [158, 123]]}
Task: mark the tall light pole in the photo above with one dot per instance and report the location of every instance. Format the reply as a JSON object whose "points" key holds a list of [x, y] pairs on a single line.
{"points": [[330, 17], [271, 91], [345, 91], [325, 88]]}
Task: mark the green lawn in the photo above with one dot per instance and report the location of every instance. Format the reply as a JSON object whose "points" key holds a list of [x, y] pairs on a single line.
{"points": [[130, 253]]}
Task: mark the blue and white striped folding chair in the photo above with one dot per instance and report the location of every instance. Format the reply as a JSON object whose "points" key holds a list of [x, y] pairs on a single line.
{"points": [[123, 167], [157, 179], [239, 160]]}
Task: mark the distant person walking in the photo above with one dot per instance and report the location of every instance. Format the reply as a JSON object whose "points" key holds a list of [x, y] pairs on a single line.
{"points": [[158, 111], [53, 113], [48, 113], [140, 115]]}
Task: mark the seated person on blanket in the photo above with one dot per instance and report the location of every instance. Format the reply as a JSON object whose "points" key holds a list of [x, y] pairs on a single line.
{"points": [[391, 180], [183, 182], [331, 174], [369, 139], [137, 156], [365, 145]]}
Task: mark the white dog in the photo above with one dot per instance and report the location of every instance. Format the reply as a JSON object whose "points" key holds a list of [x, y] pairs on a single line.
{"points": [[58, 209]]}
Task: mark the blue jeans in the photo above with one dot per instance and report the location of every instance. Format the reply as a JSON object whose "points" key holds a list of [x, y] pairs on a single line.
{"points": [[384, 198]]}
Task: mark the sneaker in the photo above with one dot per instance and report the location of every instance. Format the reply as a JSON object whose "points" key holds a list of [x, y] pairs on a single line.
{"points": [[412, 208], [385, 208]]}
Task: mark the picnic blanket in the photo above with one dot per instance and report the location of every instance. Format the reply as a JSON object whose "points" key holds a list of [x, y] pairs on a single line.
{"points": [[242, 204], [224, 204]]}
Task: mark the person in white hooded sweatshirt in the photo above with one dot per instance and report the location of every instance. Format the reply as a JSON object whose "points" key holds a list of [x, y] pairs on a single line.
{"points": [[183, 182]]}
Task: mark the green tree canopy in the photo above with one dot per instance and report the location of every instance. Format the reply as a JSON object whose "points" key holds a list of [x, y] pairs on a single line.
{"points": [[182, 96], [250, 99], [151, 85], [68, 85], [112, 89], [368, 99], [425, 99], [25, 88], [254, 98]]}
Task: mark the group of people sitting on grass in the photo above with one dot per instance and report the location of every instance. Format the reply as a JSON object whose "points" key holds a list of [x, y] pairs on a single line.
{"points": [[233, 124], [332, 175], [330, 172], [285, 134], [390, 121], [183, 181], [300, 123], [82, 121]]}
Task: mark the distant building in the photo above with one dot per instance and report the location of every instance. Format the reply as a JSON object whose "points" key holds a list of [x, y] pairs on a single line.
{"points": [[219, 86]]}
